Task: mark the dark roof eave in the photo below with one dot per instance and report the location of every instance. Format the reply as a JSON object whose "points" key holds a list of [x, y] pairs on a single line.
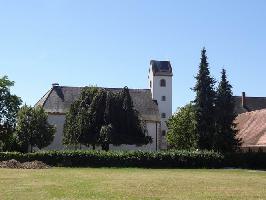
{"points": [[57, 102], [162, 74]]}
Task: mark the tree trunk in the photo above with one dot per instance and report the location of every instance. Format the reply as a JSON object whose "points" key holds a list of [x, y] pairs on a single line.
{"points": [[105, 147]]}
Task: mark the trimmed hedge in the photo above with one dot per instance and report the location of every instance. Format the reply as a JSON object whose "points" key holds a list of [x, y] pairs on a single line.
{"points": [[163, 159], [248, 160]]}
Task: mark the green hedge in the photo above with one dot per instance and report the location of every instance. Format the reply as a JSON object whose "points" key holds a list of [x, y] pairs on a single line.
{"points": [[164, 159], [248, 160]]}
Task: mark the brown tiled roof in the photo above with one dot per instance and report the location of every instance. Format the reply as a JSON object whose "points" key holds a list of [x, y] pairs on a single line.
{"points": [[252, 128], [58, 100]]}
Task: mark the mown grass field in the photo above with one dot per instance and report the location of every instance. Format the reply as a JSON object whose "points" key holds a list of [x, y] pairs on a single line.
{"points": [[131, 183]]}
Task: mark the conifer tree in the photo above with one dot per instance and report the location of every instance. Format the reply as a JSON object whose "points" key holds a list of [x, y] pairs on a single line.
{"points": [[225, 137], [204, 104]]}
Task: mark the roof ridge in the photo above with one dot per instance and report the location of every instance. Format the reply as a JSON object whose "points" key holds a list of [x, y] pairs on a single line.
{"points": [[46, 95], [119, 88], [250, 96]]}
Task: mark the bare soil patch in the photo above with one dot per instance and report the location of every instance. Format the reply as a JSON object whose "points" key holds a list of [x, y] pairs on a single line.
{"points": [[14, 164]]}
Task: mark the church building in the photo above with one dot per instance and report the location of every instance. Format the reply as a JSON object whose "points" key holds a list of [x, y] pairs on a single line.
{"points": [[154, 106]]}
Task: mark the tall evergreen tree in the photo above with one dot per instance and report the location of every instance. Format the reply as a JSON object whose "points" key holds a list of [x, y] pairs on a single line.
{"points": [[225, 137], [204, 104]]}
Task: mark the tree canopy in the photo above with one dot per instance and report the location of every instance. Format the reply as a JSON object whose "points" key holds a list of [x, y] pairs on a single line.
{"points": [[33, 129], [102, 117], [182, 129], [9, 106]]}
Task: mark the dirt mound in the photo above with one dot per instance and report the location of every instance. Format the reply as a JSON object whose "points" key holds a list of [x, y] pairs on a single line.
{"points": [[13, 164]]}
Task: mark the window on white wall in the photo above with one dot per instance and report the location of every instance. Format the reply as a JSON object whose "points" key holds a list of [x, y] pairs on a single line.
{"points": [[163, 115], [163, 98], [162, 83], [163, 132], [150, 84]]}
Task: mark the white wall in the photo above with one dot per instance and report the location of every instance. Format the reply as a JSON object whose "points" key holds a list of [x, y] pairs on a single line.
{"points": [[57, 144], [58, 121], [151, 127], [164, 106]]}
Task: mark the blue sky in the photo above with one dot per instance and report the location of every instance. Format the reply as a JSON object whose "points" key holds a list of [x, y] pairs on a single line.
{"points": [[110, 43]]}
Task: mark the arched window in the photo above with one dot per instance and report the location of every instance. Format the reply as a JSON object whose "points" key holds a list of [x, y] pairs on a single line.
{"points": [[162, 83]]}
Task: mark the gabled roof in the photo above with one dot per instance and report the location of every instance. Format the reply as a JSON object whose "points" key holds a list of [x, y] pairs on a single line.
{"points": [[252, 128], [251, 104], [251, 120], [161, 68], [58, 100]]}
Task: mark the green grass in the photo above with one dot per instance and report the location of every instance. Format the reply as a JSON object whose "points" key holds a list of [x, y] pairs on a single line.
{"points": [[131, 183]]}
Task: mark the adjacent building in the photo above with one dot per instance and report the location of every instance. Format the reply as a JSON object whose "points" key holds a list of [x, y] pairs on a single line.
{"points": [[251, 122]]}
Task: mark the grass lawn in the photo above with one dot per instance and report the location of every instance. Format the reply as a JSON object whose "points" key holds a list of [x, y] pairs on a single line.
{"points": [[131, 183]]}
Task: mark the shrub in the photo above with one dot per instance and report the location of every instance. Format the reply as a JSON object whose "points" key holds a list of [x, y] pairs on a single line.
{"points": [[162, 159], [167, 159], [249, 160]]}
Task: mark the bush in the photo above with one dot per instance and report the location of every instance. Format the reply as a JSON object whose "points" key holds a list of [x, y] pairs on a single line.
{"points": [[163, 159], [248, 160], [167, 159]]}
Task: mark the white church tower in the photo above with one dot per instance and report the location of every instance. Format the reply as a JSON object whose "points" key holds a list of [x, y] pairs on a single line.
{"points": [[160, 84]]}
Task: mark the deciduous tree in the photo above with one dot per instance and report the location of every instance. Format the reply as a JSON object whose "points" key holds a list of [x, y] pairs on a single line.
{"points": [[9, 106], [103, 117], [182, 129], [132, 131], [71, 131], [33, 129]]}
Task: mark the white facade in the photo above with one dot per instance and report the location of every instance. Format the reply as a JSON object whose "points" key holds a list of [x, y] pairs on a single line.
{"points": [[161, 89], [58, 121]]}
